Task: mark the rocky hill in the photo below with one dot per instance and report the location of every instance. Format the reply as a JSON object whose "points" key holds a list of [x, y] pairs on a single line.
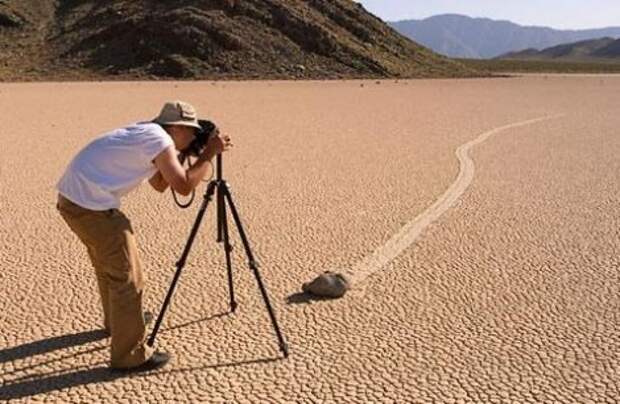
{"points": [[595, 49], [206, 39]]}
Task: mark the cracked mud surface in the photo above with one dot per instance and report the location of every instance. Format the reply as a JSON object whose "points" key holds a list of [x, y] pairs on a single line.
{"points": [[511, 295]]}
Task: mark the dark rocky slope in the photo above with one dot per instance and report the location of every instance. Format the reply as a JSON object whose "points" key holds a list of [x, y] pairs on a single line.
{"points": [[205, 39]]}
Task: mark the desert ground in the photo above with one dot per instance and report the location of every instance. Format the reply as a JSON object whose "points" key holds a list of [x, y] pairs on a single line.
{"points": [[478, 219]]}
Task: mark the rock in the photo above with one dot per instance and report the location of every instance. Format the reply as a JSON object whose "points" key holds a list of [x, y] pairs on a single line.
{"points": [[328, 284]]}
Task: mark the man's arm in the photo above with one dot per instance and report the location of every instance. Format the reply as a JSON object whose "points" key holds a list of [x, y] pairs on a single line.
{"points": [[158, 182], [173, 174]]}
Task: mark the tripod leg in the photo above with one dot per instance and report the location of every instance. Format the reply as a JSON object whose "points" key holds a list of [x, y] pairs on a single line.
{"points": [[220, 212], [223, 221], [253, 265], [181, 263]]}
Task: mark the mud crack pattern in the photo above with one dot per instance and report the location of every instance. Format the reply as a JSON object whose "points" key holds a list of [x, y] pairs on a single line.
{"points": [[510, 296]]}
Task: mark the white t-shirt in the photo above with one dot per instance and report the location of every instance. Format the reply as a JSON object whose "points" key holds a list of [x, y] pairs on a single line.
{"points": [[113, 165]]}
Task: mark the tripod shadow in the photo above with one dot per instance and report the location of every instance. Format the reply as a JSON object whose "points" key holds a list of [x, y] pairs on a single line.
{"points": [[54, 381], [50, 344], [36, 384], [70, 340], [227, 365], [190, 323], [32, 385]]}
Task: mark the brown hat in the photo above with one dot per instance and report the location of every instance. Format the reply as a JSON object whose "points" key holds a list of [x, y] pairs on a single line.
{"points": [[178, 113]]}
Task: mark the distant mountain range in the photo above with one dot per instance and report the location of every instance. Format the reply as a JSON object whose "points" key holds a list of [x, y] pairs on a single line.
{"points": [[593, 49], [482, 38]]}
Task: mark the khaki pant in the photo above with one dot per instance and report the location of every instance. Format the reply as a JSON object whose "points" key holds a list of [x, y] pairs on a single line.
{"points": [[111, 246]]}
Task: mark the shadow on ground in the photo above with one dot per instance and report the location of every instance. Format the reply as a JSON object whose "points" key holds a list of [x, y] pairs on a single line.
{"points": [[27, 386], [41, 383], [193, 322], [302, 297], [50, 344]]}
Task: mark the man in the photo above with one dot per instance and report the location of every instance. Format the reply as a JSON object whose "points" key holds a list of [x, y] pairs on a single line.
{"points": [[89, 198]]}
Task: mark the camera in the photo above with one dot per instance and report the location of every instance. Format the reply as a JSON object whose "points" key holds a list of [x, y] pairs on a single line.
{"points": [[207, 128]]}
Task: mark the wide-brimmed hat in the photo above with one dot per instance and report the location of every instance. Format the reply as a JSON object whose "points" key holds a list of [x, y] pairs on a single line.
{"points": [[178, 113]]}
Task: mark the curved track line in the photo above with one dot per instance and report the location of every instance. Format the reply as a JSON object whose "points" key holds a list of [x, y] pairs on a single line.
{"points": [[412, 230]]}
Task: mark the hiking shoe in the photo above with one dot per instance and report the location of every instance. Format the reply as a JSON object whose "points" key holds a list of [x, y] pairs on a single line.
{"points": [[156, 361]]}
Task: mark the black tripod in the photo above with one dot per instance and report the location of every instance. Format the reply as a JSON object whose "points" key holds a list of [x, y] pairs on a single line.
{"points": [[223, 197]]}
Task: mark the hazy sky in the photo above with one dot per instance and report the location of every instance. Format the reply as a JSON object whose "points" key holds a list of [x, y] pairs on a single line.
{"points": [[564, 14]]}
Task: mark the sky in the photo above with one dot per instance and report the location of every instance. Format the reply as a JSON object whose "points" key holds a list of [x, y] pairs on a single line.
{"points": [[560, 14]]}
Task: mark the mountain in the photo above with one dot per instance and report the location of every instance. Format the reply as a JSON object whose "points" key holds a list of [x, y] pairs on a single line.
{"points": [[198, 39], [594, 49], [465, 37]]}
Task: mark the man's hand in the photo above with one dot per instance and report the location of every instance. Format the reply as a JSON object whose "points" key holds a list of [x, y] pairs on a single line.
{"points": [[218, 143]]}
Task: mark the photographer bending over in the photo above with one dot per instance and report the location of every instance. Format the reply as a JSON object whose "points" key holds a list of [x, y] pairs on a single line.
{"points": [[89, 198]]}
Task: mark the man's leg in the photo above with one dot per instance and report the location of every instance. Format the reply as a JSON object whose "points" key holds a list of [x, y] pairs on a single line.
{"points": [[102, 283], [110, 241], [123, 276], [81, 222]]}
